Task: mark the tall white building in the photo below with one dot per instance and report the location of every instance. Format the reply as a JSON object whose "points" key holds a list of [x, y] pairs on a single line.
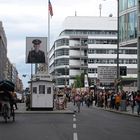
{"points": [[84, 44]]}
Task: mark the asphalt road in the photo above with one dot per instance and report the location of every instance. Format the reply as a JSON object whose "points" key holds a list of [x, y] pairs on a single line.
{"points": [[89, 124], [96, 124]]}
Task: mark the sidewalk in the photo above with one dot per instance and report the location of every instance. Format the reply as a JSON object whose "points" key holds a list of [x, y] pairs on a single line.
{"points": [[127, 112], [22, 110], [70, 110]]}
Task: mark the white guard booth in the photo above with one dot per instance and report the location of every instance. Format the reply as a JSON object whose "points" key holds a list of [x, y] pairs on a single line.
{"points": [[42, 92]]}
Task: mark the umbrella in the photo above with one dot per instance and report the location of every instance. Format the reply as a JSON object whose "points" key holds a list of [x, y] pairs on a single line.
{"points": [[7, 85]]}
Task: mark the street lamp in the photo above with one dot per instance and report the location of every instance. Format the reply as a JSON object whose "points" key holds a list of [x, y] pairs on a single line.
{"points": [[65, 76], [138, 44], [118, 69]]}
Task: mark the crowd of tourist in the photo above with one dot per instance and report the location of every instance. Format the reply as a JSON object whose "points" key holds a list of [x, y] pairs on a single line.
{"points": [[102, 98]]}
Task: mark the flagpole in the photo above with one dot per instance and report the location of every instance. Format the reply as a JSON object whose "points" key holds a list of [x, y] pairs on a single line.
{"points": [[48, 42], [48, 27]]}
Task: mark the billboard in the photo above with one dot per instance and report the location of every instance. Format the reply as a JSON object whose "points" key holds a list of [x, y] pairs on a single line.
{"points": [[36, 49], [107, 74]]}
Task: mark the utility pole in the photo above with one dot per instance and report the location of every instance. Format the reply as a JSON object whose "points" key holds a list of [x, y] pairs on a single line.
{"points": [[138, 44]]}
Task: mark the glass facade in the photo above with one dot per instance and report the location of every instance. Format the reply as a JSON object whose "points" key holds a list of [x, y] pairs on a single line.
{"points": [[132, 3], [132, 25], [127, 20], [122, 28], [125, 4]]}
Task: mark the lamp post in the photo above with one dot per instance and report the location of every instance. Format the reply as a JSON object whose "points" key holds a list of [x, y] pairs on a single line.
{"points": [[138, 44], [117, 58], [65, 76]]}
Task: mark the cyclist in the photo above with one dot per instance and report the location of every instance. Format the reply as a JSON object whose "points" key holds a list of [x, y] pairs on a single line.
{"points": [[6, 98]]}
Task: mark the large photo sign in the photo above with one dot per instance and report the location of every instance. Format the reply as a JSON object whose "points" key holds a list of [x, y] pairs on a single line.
{"points": [[36, 49]]}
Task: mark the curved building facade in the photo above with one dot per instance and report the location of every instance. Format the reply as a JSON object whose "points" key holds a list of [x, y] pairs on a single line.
{"points": [[128, 38], [84, 44]]}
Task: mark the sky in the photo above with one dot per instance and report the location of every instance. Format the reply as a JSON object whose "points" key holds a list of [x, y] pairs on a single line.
{"points": [[29, 18]]}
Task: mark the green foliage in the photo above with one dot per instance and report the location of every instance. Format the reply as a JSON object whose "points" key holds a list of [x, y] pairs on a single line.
{"points": [[79, 81]]}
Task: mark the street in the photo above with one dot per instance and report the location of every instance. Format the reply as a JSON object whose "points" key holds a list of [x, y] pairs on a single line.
{"points": [[90, 124]]}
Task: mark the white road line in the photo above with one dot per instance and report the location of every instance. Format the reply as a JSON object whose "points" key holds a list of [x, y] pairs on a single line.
{"points": [[75, 137], [74, 115], [74, 119], [74, 125]]}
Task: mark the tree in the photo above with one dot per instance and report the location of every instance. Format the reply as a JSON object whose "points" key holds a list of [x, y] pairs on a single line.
{"points": [[79, 81]]}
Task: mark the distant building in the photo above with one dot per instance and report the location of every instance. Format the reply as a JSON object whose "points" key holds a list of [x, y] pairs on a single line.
{"points": [[8, 71], [84, 44], [3, 52]]}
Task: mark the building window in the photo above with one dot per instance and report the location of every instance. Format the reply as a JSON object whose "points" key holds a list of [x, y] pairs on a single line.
{"points": [[61, 62], [61, 52], [48, 90], [123, 28], [62, 42], [41, 89], [35, 90], [132, 3], [123, 5], [132, 23]]}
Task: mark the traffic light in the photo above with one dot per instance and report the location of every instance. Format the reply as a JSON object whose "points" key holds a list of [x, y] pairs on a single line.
{"points": [[123, 70]]}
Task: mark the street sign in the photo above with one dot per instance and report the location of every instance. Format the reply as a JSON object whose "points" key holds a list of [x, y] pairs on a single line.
{"points": [[107, 74]]}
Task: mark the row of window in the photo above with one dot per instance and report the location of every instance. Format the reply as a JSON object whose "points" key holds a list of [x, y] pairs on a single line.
{"points": [[102, 41], [111, 51], [61, 52], [61, 62], [42, 89], [98, 51], [129, 71], [88, 32], [62, 81], [65, 42], [62, 42], [112, 61]]}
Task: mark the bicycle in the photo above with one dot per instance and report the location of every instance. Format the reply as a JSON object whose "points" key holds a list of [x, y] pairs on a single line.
{"points": [[5, 112]]}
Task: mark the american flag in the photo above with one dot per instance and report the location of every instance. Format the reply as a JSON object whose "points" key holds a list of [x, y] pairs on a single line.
{"points": [[50, 8]]}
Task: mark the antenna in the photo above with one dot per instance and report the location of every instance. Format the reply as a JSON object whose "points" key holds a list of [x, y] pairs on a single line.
{"points": [[75, 13], [100, 9]]}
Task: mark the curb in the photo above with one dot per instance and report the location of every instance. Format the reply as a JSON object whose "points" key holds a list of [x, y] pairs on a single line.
{"points": [[45, 112], [119, 112]]}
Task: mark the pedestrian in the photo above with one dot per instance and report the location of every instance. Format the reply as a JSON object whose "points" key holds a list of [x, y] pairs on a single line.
{"points": [[14, 102], [112, 100], [117, 101], [138, 101], [28, 101], [123, 101], [78, 101], [132, 101]]}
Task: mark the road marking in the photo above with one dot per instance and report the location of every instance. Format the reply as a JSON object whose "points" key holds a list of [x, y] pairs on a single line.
{"points": [[75, 137], [74, 115], [74, 125], [74, 119]]}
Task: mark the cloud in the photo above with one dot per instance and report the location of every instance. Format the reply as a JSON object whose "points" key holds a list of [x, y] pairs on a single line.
{"points": [[22, 18]]}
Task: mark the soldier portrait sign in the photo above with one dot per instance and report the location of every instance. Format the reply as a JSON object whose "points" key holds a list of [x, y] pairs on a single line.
{"points": [[36, 49]]}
